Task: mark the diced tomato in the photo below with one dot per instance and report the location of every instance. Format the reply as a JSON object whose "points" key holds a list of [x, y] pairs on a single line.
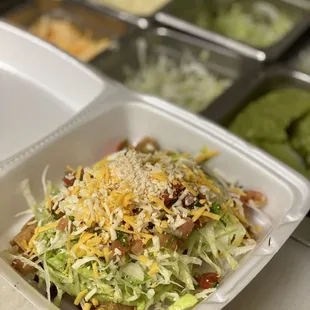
{"points": [[208, 280], [169, 199], [117, 244], [69, 179]]}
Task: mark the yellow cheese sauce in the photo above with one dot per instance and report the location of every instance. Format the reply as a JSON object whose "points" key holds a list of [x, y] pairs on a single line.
{"points": [[136, 7]]}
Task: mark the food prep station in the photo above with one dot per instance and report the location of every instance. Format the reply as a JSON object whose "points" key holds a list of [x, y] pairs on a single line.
{"points": [[70, 88]]}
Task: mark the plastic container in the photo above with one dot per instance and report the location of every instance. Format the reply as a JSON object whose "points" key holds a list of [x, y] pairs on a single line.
{"points": [[86, 20], [127, 115], [175, 15], [41, 89]]}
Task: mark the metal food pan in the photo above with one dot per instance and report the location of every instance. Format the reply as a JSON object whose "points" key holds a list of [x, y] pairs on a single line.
{"points": [[300, 50], [8, 4], [84, 18], [222, 62], [272, 79], [176, 14], [141, 20]]}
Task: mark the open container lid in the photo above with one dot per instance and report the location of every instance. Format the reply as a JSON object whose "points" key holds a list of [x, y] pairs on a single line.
{"points": [[41, 88], [128, 115]]}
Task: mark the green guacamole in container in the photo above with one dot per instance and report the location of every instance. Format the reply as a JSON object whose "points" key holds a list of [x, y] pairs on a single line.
{"points": [[279, 123]]}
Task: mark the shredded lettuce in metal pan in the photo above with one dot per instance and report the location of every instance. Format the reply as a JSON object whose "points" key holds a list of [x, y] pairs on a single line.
{"points": [[136, 230], [258, 23], [186, 81]]}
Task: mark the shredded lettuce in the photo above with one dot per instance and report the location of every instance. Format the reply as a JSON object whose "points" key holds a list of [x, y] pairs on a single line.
{"points": [[185, 302], [160, 276], [134, 270]]}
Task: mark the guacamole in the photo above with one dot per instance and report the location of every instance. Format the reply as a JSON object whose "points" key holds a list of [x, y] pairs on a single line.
{"points": [[279, 123]]}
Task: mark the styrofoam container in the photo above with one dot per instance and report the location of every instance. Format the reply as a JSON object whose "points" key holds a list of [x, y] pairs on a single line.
{"points": [[127, 115], [41, 88]]}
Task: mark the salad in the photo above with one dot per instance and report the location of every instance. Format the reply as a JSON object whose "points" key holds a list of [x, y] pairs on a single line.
{"points": [[142, 227]]}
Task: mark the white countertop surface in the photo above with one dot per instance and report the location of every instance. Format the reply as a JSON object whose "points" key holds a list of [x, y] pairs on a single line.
{"points": [[282, 285]]}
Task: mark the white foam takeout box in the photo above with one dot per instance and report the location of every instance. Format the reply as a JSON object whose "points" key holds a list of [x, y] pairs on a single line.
{"points": [[128, 115], [41, 88]]}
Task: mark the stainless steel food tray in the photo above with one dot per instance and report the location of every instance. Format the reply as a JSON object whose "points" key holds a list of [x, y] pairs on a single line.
{"points": [[141, 21], [8, 4], [290, 58], [172, 16], [275, 77], [222, 62], [85, 18]]}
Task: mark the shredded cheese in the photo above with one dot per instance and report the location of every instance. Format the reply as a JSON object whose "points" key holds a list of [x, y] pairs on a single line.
{"points": [[148, 236], [198, 213], [189, 188], [70, 169], [95, 302], [154, 269], [237, 191], [80, 297], [46, 227], [160, 203], [203, 157], [78, 172], [87, 306], [209, 183], [143, 259], [211, 215], [159, 229], [161, 176], [95, 270]]}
